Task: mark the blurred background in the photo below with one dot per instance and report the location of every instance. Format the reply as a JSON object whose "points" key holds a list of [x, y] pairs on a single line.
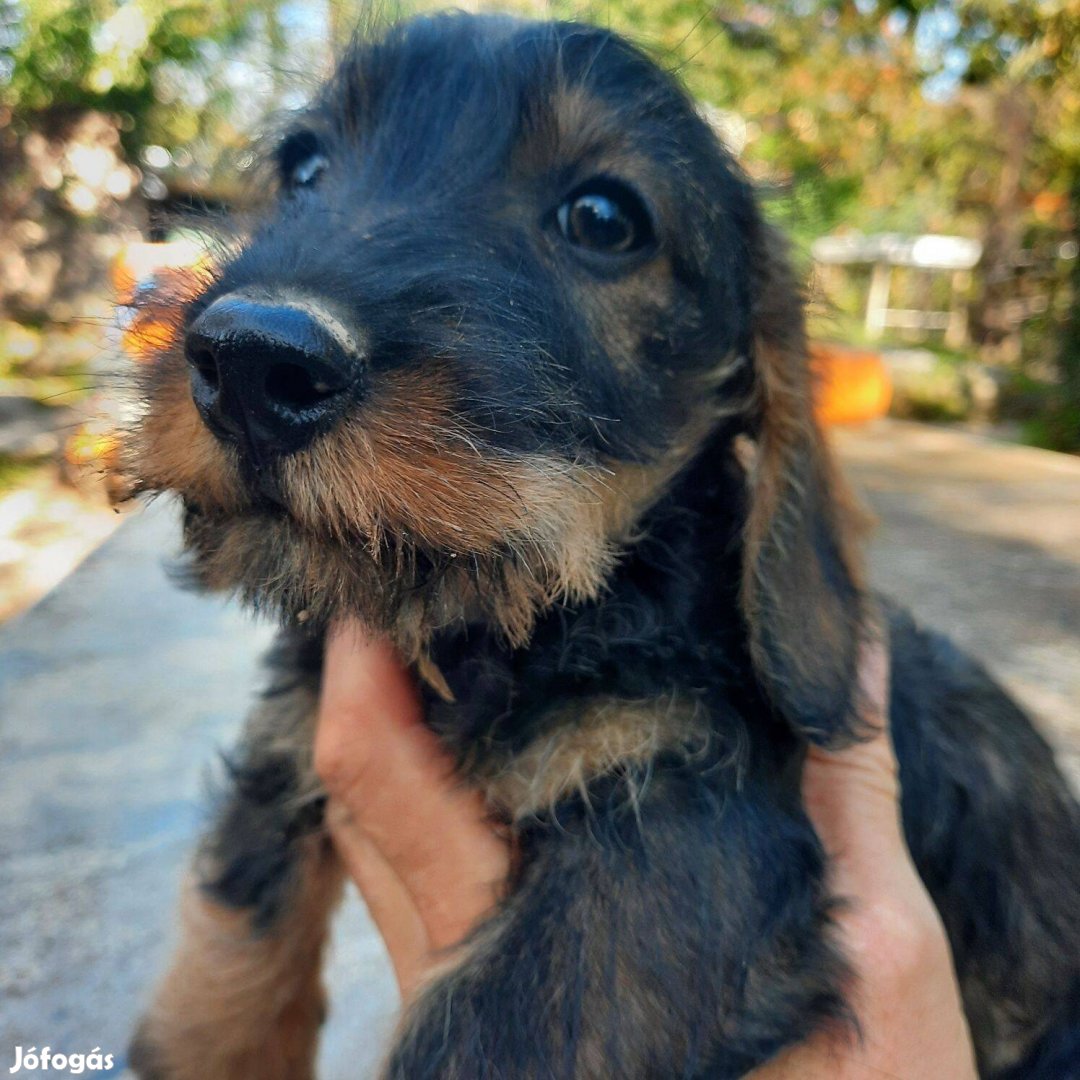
{"points": [[923, 154]]}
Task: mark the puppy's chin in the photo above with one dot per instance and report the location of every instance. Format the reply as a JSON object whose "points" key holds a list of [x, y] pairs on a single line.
{"points": [[277, 567]]}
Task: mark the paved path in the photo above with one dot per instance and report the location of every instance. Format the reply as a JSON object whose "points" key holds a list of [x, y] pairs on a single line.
{"points": [[117, 689], [982, 540], [116, 692]]}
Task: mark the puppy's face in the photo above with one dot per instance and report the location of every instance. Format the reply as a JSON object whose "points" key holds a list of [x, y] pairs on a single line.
{"points": [[507, 286], [491, 309]]}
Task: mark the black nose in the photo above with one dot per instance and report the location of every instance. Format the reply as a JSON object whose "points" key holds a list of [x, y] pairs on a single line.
{"points": [[269, 377]]}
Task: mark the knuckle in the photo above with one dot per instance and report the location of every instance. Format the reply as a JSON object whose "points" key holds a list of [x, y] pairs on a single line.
{"points": [[332, 764], [897, 941]]}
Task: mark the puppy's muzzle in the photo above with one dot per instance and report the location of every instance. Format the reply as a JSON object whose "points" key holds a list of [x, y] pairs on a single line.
{"points": [[270, 376]]}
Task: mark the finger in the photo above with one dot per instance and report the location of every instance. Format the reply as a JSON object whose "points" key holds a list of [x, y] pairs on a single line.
{"points": [[388, 902], [399, 787], [852, 795], [364, 690]]}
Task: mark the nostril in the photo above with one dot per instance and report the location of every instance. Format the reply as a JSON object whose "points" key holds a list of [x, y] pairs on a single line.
{"points": [[296, 387], [269, 378], [204, 362]]}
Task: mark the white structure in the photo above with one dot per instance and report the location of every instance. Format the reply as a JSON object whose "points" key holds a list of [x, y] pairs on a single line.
{"points": [[945, 254]]}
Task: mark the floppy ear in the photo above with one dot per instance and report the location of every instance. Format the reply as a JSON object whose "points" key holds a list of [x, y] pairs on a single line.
{"points": [[802, 591]]}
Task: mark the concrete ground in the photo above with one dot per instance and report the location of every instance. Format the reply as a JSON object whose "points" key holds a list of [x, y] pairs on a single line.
{"points": [[117, 693], [118, 690], [981, 539]]}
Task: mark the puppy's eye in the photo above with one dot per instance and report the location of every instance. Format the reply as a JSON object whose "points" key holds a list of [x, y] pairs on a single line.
{"points": [[301, 160], [606, 216], [307, 172]]}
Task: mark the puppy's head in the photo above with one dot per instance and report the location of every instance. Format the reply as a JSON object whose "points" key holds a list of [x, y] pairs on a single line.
{"points": [[508, 285]]}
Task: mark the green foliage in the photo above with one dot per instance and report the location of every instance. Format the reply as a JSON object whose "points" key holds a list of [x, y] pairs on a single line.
{"points": [[14, 472], [1049, 418], [155, 64]]}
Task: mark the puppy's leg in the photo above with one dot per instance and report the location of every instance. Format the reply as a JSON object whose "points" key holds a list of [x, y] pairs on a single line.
{"points": [[242, 999], [994, 830], [672, 930]]}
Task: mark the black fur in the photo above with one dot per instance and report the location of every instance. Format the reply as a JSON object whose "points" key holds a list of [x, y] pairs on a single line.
{"points": [[249, 858], [476, 287], [673, 920], [633, 946]]}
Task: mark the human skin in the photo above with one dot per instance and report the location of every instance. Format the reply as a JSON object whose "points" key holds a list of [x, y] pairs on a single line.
{"points": [[430, 863]]}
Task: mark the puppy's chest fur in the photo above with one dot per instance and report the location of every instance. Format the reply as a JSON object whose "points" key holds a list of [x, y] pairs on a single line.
{"points": [[654, 674]]}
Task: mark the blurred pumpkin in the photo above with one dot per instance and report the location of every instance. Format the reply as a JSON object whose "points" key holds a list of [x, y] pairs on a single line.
{"points": [[139, 262], [151, 282], [853, 385]]}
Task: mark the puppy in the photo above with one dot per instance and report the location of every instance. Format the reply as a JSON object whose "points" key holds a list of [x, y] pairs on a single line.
{"points": [[512, 369]]}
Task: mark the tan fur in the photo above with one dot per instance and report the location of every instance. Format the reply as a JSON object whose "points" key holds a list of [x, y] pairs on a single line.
{"points": [[406, 465], [796, 498], [173, 449], [278, 562], [572, 127], [621, 311], [599, 737], [234, 1006], [403, 474]]}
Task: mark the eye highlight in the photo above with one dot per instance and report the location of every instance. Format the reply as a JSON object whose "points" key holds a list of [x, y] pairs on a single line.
{"points": [[301, 160], [606, 216]]}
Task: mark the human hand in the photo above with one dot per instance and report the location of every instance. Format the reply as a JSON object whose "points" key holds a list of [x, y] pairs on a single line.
{"points": [[905, 993], [429, 864], [417, 843]]}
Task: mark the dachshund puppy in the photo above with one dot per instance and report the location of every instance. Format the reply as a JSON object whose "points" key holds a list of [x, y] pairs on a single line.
{"points": [[512, 369]]}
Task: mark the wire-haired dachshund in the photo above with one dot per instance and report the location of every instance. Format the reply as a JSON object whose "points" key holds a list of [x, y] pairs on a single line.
{"points": [[511, 368]]}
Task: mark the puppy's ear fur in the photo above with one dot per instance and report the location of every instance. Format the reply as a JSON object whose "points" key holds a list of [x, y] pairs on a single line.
{"points": [[802, 591]]}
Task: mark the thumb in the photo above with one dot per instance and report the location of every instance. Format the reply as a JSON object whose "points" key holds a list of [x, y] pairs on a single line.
{"points": [[852, 795]]}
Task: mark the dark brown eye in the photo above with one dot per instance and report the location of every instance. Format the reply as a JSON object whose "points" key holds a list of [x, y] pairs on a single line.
{"points": [[606, 216], [307, 172], [301, 160]]}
